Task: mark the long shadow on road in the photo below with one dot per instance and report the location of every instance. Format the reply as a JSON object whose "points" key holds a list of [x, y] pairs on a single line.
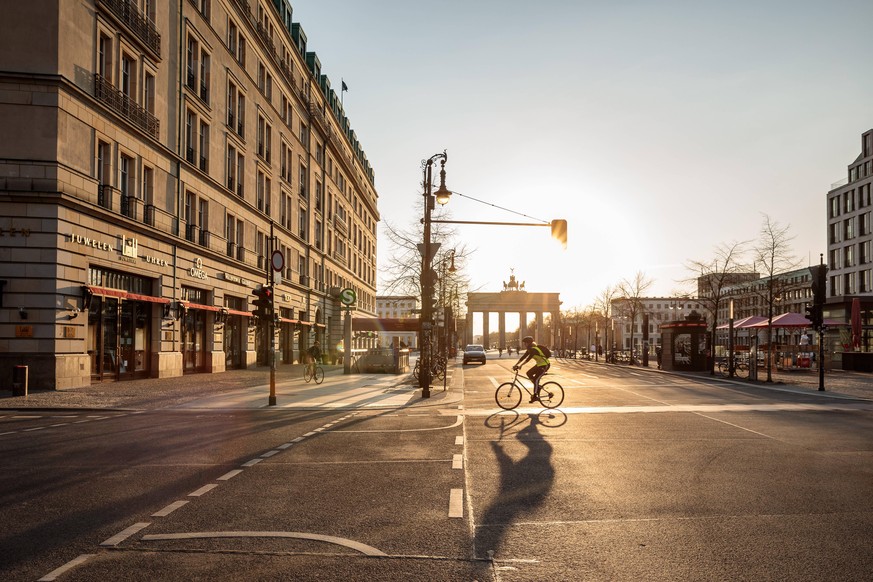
{"points": [[524, 486]]}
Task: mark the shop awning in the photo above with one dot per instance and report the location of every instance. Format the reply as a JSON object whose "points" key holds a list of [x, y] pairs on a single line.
{"points": [[121, 294], [189, 305], [238, 312], [306, 323], [286, 320]]}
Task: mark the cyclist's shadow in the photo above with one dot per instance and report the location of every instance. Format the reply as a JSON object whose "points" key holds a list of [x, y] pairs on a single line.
{"points": [[524, 485]]}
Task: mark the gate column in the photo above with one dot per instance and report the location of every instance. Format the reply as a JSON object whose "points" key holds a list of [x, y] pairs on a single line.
{"points": [[501, 327], [485, 331], [540, 336]]}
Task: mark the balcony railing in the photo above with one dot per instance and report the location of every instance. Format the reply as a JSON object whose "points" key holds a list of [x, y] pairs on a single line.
{"points": [[130, 206], [127, 12], [105, 92], [105, 196], [192, 233]]}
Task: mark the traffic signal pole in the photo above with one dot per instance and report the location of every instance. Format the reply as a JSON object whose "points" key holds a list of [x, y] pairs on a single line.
{"points": [[271, 277]]}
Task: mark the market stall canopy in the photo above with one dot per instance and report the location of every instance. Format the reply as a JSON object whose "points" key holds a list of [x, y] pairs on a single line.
{"points": [[744, 322], [791, 319]]}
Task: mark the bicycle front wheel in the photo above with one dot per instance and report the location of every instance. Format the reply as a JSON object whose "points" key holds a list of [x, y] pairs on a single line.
{"points": [[551, 394], [508, 396], [319, 375]]}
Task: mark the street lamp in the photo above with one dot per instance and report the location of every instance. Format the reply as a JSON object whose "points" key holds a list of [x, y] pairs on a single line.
{"points": [[428, 276], [731, 338]]}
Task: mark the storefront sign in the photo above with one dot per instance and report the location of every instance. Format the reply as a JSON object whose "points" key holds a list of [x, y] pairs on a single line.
{"points": [[23, 331], [129, 247], [69, 332], [90, 242], [154, 261], [235, 279], [286, 297], [197, 270]]}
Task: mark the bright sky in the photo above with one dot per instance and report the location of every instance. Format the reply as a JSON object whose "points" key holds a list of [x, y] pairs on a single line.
{"points": [[659, 130]]}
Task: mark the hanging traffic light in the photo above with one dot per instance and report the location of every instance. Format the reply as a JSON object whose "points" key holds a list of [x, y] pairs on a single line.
{"points": [[559, 231], [263, 302], [819, 283]]}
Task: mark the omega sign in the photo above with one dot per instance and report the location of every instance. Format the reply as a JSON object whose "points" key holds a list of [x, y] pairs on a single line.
{"points": [[197, 270]]}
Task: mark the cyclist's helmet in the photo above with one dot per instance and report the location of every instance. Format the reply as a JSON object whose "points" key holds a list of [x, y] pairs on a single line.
{"points": [[527, 339]]}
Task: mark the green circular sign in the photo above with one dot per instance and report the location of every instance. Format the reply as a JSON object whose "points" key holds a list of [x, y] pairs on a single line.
{"points": [[348, 296]]}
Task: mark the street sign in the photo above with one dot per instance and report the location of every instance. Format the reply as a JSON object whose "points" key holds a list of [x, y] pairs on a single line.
{"points": [[348, 296], [277, 260]]}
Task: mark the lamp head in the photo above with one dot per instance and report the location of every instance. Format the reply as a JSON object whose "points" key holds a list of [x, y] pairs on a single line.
{"points": [[442, 195]]}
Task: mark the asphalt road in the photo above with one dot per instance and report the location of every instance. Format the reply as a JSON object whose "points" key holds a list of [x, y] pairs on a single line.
{"points": [[639, 475]]}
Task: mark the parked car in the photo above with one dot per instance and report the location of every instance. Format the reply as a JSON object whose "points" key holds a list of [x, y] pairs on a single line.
{"points": [[474, 353]]}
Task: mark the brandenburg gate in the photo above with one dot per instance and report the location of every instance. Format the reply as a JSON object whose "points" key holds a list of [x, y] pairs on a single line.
{"points": [[514, 299]]}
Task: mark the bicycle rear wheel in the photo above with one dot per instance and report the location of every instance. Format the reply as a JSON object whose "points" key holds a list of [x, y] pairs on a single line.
{"points": [[319, 375], [551, 394], [508, 396], [307, 374]]}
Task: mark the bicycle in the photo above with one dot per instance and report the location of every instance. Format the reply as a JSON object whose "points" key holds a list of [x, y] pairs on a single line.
{"points": [[508, 395], [741, 369], [313, 371]]}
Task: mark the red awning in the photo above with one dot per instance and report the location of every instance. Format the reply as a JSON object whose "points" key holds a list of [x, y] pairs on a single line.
{"points": [[286, 320], [189, 305], [237, 312], [306, 323], [121, 294]]}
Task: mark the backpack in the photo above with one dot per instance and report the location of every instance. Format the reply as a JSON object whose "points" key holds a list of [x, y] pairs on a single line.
{"points": [[547, 353]]}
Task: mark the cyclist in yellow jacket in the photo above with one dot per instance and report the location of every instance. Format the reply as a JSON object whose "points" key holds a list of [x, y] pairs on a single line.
{"points": [[541, 364]]}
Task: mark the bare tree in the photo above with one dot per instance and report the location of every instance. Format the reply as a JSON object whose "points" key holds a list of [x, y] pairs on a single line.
{"points": [[714, 278], [631, 293], [773, 256], [603, 303], [402, 273]]}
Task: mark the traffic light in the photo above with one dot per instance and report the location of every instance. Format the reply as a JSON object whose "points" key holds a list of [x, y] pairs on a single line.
{"points": [[814, 314], [559, 231], [263, 303], [819, 283]]}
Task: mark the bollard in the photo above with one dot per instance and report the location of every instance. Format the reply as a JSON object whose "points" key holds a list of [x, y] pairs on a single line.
{"points": [[19, 381]]}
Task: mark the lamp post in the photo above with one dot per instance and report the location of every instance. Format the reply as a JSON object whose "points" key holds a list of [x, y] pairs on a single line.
{"points": [[428, 276], [731, 338]]}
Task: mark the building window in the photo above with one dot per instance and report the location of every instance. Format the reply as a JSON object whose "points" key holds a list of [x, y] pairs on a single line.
{"points": [[231, 105], [231, 167], [848, 229], [191, 53], [849, 256], [303, 181], [190, 124], [128, 74], [148, 185], [148, 93], [125, 175], [302, 222], [104, 163], [204, 76], [240, 174], [104, 57], [204, 147], [230, 234]]}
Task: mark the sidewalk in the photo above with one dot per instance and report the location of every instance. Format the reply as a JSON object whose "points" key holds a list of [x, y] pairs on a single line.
{"points": [[851, 384], [241, 389]]}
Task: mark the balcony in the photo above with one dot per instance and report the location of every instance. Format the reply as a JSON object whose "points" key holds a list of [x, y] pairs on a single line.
{"points": [[129, 15], [106, 195], [192, 233], [231, 249], [204, 164], [120, 103], [189, 155], [130, 206]]}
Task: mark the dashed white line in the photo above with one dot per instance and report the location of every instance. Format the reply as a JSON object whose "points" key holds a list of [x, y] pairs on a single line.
{"points": [[54, 574], [205, 489], [229, 475], [459, 440], [252, 463], [456, 503], [310, 433], [269, 454], [123, 535], [284, 446], [169, 509], [457, 461], [297, 440]]}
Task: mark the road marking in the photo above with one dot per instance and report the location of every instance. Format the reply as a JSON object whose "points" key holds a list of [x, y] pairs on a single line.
{"points": [[284, 446], [457, 422], [252, 463], [229, 475], [205, 489], [34, 428], [269, 454], [459, 440], [363, 548], [297, 440], [123, 535], [456, 503], [696, 408], [310, 433], [59, 424], [169, 509], [457, 461], [54, 574]]}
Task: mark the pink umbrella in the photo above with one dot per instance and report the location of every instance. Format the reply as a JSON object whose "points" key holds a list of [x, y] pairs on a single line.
{"points": [[856, 323], [744, 322]]}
